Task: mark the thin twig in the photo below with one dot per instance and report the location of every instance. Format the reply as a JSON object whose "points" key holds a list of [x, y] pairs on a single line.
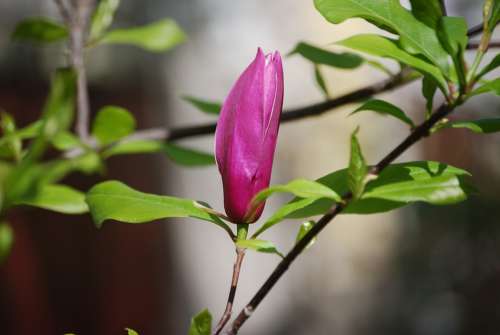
{"points": [[417, 134], [64, 11], [474, 45], [240, 254]]}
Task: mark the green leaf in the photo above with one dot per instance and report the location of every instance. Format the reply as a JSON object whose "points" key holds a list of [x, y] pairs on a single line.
{"points": [[416, 37], [102, 18], [65, 140], [492, 86], [316, 55], [301, 188], [133, 147], [187, 157], [111, 124], [284, 211], [57, 198], [491, 13], [113, 200], [384, 47], [260, 246], [483, 126], [383, 107], [490, 67], [6, 241], [427, 11], [41, 30], [419, 173], [156, 37], [357, 168], [321, 81], [429, 88], [13, 143], [209, 107], [130, 331], [201, 324], [452, 32], [303, 230]]}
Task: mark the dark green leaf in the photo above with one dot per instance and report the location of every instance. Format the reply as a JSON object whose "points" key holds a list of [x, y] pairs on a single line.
{"points": [[6, 241], [320, 56], [209, 107], [321, 81], [111, 124], [155, 37], [57, 198], [490, 67], [416, 37], [102, 18], [492, 13], [383, 107], [259, 245], [483, 126], [357, 168], [492, 86], [201, 324], [113, 200], [429, 88], [452, 33], [303, 230], [427, 11], [40, 30], [384, 47], [187, 157]]}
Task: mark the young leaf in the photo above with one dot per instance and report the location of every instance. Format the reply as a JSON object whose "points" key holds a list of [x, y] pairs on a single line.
{"points": [[303, 230], [483, 126], [429, 88], [102, 18], [490, 67], [133, 147], [6, 240], [259, 245], [416, 37], [452, 32], [384, 47], [492, 86], [111, 124], [13, 142], [321, 81], [357, 168], [427, 11], [187, 157], [130, 331], [65, 140], [317, 56], [57, 198], [201, 324], [383, 107], [113, 200], [41, 30], [155, 37], [209, 107]]}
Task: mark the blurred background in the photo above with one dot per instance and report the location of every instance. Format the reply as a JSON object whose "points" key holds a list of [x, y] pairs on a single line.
{"points": [[419, 270]]}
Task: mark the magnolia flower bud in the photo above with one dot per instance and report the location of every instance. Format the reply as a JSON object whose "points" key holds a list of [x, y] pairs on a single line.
{"points": [[246, 134]]}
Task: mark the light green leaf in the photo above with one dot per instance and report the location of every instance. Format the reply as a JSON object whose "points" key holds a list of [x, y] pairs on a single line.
{"points": [[102, 18], [111, 124], [113, 200], [65, 140], [384, 47], [155, 37], [260, 246], [383, 107], [321, 81], [492, 86], [420, 172], [6, 240], [427, 11], [201, 324], [187, 157], [482, 126], [57, 198], [416, 37], [303, 230], [41, 30], [490, 67], [357, 168], [13, 144], [209, 107], [316, 55], [130, 331]]}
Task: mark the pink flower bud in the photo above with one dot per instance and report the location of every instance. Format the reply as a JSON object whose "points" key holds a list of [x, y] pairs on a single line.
{"points": [[246, 134]]}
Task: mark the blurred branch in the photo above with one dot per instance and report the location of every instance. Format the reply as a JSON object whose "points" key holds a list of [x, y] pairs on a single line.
{"points": [[475, 45], [240, 254], [443, 7]]}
